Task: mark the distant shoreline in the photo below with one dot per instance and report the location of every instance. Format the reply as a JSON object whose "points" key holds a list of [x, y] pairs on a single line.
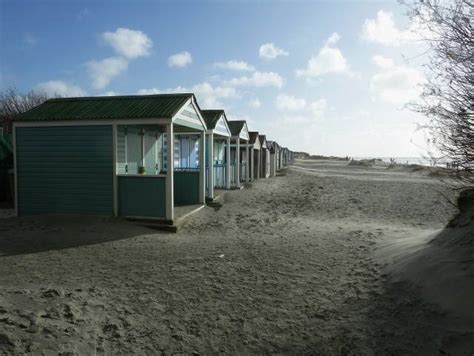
{"points": [[421, 161]]}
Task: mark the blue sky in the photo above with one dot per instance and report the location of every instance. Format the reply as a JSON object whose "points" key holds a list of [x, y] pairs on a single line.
{"points": [[324, 77]]}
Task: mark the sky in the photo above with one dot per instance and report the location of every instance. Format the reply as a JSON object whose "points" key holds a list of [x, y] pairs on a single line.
{"points": [[325, 77]]}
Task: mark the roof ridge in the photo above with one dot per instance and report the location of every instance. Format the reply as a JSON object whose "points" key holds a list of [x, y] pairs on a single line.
{"points": [[117, 97]]}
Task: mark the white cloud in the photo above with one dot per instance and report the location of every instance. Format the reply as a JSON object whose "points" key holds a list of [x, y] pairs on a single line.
{"points": [[383, 30], [103, 71], [382, 62], [235, 65], [109, 93], [318, 107], [270, 51], [151, 91], [180, 60], [207, 95], [210, 96], [291, 104], [328, 60], [129, 43], [255, 103], [397, 85], [258, 79], [60, 88], [333, 39]]}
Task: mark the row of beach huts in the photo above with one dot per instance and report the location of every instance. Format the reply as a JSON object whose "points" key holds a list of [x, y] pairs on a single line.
{"points": [[133, 156]]}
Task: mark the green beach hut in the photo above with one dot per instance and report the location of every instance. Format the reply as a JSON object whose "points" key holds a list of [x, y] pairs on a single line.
{"points": [[134, 156]]}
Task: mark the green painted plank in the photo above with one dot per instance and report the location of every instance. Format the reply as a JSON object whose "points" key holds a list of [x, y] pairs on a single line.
{"points": [[142, 196], [186, 188], [60, 176]]}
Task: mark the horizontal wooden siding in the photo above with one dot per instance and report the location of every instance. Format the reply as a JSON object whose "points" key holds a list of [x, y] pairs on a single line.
{"points": [[186, 188], [64, 169], [142, 196]]}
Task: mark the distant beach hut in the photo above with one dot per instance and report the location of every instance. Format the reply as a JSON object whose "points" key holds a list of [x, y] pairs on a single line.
{"points": [[255, 156], [218, 151], [274, 153], [264, 157], [284, 156], [134, 156], [239, 153]]}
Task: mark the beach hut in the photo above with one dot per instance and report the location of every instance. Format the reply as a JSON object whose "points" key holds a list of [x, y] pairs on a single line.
{"points": [[273, 157], [255, 156], [133, 156], [277, 156], [239, 155], [284, 156], [264, 157], [218, 151]]}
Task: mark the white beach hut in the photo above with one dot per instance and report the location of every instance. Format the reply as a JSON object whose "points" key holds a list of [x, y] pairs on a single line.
{"points": [[264, 157], [255, 157], [218, 151], [239, 153]]}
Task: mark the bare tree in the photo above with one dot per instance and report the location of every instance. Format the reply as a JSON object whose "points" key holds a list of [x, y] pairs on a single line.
{"points": [[447, 98], [12, 103]]}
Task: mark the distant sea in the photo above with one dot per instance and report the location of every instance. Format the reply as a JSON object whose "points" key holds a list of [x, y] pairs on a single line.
{"points": [[412, 160]]}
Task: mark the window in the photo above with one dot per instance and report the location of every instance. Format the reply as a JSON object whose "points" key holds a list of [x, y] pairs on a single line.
{"points": [[219, 152], [139, 150], [186, 152]]}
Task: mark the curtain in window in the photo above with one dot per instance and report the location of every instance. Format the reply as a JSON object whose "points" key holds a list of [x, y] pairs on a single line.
{"points": [[219, 152], [134, 149], [150, 152], [121, 150]]}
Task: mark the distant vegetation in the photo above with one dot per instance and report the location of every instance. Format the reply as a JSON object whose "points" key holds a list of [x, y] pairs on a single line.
{"points": [[13, 102], [448, 95]]}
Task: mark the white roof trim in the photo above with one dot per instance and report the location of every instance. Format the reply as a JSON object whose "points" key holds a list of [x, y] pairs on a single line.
{"points": [[195, 107], [223, 117]]}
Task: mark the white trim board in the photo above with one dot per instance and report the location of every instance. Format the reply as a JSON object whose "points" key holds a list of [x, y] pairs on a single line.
{"points": [[114, 165], [15, 177], [102, 122], [238, 138], [143, 175]]}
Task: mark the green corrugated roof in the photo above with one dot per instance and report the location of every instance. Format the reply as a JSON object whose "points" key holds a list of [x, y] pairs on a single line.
{"points": [[108, 107], [236, 126], [211, 117]]}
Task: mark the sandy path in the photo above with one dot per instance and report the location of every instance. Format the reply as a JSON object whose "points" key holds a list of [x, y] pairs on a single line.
{"points": [[298, 275]]}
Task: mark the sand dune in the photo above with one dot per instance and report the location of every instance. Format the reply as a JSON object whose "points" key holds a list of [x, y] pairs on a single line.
{"points": [[297, 264]]}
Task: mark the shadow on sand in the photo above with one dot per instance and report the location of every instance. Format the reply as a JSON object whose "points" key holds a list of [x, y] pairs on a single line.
{"points": [[430, 290], [32, 234]]}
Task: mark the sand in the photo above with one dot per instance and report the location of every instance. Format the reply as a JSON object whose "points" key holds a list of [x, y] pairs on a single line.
{"points": [[313, 261]]}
